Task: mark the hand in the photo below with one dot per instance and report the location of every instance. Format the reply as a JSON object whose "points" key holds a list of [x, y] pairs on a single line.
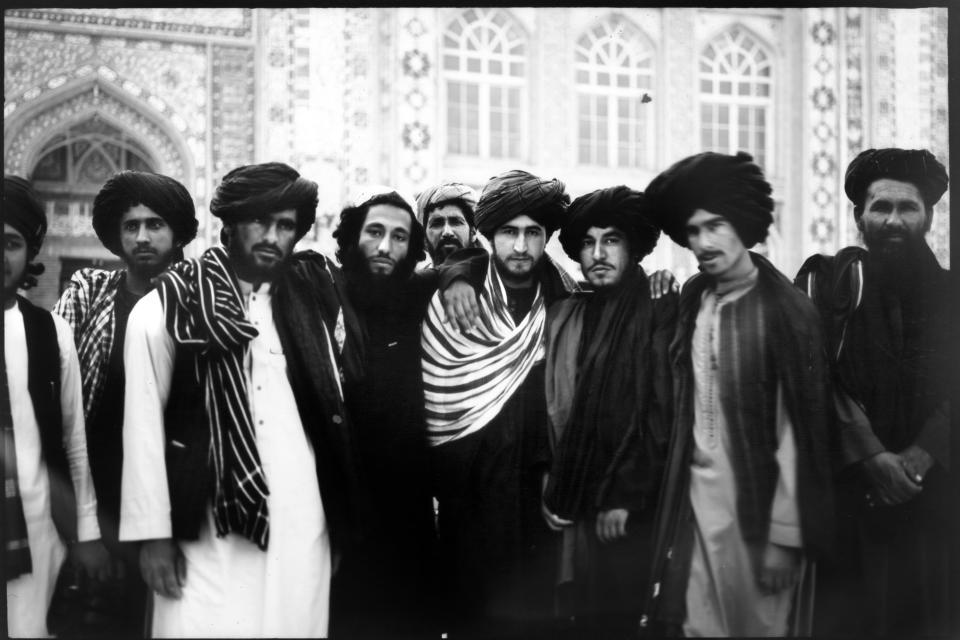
{"points": [[612, 524], [780, 569], [916, 462], [460, 304], [891, 483], [91, 560], [163, 566], [662, 282], [555, 522]]}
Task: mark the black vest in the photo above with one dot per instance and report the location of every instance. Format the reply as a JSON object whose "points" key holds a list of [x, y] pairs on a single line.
{"points": [[43, 382]]}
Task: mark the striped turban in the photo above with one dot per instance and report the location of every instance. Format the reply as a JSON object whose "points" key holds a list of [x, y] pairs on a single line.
{"points": [[730, 186], [447, 193], [163, 195], [258, 189], [620, 207], [516, 193], [22, 210], [916, 166]]}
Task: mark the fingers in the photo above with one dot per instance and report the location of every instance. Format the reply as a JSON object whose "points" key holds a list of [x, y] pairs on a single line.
{"points": [[170, 585], [776, 580], [180, 564]]}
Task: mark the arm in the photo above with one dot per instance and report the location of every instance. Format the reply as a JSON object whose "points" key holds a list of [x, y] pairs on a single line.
{"points": [[89, 553], [148, 356], [460, 279], [932, 446]]}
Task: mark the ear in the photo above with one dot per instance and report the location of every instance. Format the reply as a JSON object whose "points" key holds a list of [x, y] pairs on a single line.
{"points": [[929, 220], [858, 218]]}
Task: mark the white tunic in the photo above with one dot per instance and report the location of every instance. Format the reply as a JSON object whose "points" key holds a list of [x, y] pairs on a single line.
{"points": [[723, 598], [28, 596], [232, 587]]}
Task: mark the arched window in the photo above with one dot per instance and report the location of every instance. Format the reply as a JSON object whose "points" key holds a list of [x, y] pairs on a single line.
{"points": [[614, 80], [484, 68], [736, 96]]}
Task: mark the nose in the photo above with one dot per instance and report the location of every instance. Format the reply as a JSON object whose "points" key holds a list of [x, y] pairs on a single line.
{"points": [[142, 233], [520, 244], [598, 251], [384, 247], [447, 230], [894, 219]]}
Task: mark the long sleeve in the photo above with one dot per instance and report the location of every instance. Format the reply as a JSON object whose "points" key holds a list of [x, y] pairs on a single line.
{"points": [[148, 360], [785, 512], [857, 440], [470, 264], [75, 433]]}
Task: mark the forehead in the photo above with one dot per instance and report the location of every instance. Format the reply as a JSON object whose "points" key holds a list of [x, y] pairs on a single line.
{"points": [[139, 212], [521, 222], [10, 230], [388, 216], [702, 216], [599, 232], [887, 189], [448, 210]]}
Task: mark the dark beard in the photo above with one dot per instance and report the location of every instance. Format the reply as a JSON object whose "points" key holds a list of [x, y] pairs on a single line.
{"points": [[444, 250], [370, 290], [896, 264]]}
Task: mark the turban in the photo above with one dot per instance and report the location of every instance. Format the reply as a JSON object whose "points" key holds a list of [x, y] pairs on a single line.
{"points": [[916, 166], [730, 186], [163, 195], [620, 207], [254, 190], [447, 193], [23, 211], [516, 193]]}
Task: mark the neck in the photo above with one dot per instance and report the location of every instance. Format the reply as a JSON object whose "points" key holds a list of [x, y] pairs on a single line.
{"points": [[737, 274], [9, 299], [137, 283]]}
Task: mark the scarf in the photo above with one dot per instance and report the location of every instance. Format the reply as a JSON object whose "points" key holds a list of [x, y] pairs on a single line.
{"points": [[16, 547], [469, 377], [205, 314]]}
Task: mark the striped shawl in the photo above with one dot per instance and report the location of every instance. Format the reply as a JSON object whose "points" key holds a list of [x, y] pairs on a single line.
{"points": [[205, 314]]}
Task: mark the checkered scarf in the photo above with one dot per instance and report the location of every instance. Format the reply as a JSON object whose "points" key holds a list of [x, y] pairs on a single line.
{"points": [[205, 314]]}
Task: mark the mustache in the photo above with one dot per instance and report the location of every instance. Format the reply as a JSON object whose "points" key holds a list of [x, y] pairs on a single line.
{"points": [[267, 248]]}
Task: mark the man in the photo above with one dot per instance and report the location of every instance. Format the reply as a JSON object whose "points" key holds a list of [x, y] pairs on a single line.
{"points": [[389, 591], [747, 496], [885, 313], [608, 398], [237, 460], [446, 211], [49, 499], [486, 415], [145, 219]]}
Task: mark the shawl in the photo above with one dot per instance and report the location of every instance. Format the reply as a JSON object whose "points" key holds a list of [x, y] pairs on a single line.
{"points": [[469, 377], [611, 408], [87, 305], [205, 314]]}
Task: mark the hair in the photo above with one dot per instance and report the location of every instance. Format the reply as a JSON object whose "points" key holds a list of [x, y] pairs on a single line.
{"points": [[460, 203], [351, 222], [165, 196]]}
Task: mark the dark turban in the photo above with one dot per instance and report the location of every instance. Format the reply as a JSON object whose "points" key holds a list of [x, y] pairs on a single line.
{"points": [[23, 211], [447, 193], [730, 186], [916, 166], [516, 193], [620, 207], [255, 190], [163, 195]]}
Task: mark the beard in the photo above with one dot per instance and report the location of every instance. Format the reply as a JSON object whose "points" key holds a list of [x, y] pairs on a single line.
{"points": [[374, 290], [445, 248], [891, 248]]}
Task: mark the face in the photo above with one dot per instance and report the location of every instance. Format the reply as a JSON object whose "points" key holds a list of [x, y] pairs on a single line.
{"points": [[447, 230], [518, 247], [259, 246], [146, 240], [15, 258], [604, 256], [385, 238], [894, 217], [717, 246]]}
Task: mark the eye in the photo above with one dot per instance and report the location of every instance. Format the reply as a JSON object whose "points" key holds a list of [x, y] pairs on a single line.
{"points": [[436, 223], [156, 223], [400, 237], [130, 227], [286, 225], [534, 232]]}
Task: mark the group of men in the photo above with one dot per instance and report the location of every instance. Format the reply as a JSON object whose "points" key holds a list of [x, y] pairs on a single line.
{"points": [[443, 432]]}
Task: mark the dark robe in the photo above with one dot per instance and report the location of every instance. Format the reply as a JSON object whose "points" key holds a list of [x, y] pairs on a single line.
{"points": [[610, 451], [497, 554], [749, 373], [388, 588], [891, 357]]}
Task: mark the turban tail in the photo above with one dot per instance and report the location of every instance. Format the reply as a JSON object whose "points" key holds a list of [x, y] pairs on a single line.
{"points": [[620, 207], [516, 193], [259, 189], [730, 186], [916, 166], [23, 211]]}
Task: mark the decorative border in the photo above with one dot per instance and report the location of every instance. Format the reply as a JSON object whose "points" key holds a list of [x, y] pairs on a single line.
{"points": [[100, 20], [825, 121], [232, 126]]}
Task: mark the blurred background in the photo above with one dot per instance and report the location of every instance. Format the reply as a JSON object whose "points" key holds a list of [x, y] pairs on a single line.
{"points": [[411, 96]]}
